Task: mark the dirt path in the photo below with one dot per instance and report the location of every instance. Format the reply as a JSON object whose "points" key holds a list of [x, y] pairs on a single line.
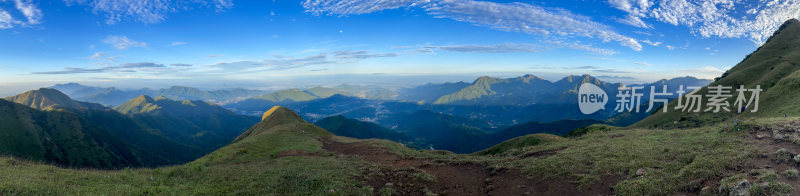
{"points": [[765, 139], [402, 174]]}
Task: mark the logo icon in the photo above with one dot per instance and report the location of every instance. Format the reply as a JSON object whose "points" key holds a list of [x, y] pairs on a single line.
{"points": [[591, 98]]}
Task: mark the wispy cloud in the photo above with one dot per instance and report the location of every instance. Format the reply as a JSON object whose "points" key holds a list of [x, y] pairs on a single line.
{"points": [[6, 21], [579, 46], [180, 65], [362, 54], [612, 77], [279, 63], [652, 43], [610, 71], [720, 18], [102, 58], [122, 42], [643, 63], [178, 43], [497, 48], [145, 11], [706, 72], [582, 67], [33, 15], [127, 67], [31, 12], [512, 17]]}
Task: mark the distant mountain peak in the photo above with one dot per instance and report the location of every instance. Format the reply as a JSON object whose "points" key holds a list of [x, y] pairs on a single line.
{"points": [[144, 98], [269, 112], [159, 98], [140, 104], [44, 98], [486, 80], [281, 119]]}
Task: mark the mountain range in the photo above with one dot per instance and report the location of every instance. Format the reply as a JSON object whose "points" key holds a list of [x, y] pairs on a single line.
{"points": [[168, 132], [113, 96]]}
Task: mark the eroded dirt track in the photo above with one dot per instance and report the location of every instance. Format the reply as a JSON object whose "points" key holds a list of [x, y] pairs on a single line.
{"points": [[401, 174]]}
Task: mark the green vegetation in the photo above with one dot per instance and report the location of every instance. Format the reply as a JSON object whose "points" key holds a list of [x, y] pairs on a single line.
{"points": [[342, 126], [590, 129], [520, 142], [62, 138], [774, 66], [46, 98], [194, 123], [673, 159], [250, 166]]}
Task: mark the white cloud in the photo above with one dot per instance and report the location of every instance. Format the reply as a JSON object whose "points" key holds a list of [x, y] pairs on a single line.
{"points": [[122, 42], [669, 47], [178, 43], [651, 42], [584, 47], [102, 58], [31, 12], [279, 63], [717, 18], [33, 15], [497, 48], [126, 68], [513, 17], [703, 72], [643, 63], [151, 11], [351, 7], [6, 21], [634, 21]]}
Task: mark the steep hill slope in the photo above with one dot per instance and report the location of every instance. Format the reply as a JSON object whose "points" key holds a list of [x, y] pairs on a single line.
{"points": [[159, 149], [342, 126], [773, 66], [46, 98], [63, 138], [194, 123]]}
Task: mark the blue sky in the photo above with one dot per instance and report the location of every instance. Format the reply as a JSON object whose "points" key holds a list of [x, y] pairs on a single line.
{"points": [[281, 44]]}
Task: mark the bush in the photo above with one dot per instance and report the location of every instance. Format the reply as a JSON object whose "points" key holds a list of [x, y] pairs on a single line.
{"points": [[791, 173]]}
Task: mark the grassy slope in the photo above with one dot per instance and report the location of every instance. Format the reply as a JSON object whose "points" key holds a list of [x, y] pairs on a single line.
{"points": [[62, 138], [774, 66], [194, 123], [249, 166], [673, 159]]}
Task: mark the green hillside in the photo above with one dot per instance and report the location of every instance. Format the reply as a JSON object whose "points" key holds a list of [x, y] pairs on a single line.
{"points": [[520, 142], [155, 149], [342, 126], [194, 123], [46, 98], [285, 155], [62, 138], [774, 66]]}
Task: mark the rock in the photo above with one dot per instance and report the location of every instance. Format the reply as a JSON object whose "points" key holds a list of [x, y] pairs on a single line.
{"points": [[796, 159], [706, 190], [641, 172], [740, 189], [782, 155], [489, 188]]}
